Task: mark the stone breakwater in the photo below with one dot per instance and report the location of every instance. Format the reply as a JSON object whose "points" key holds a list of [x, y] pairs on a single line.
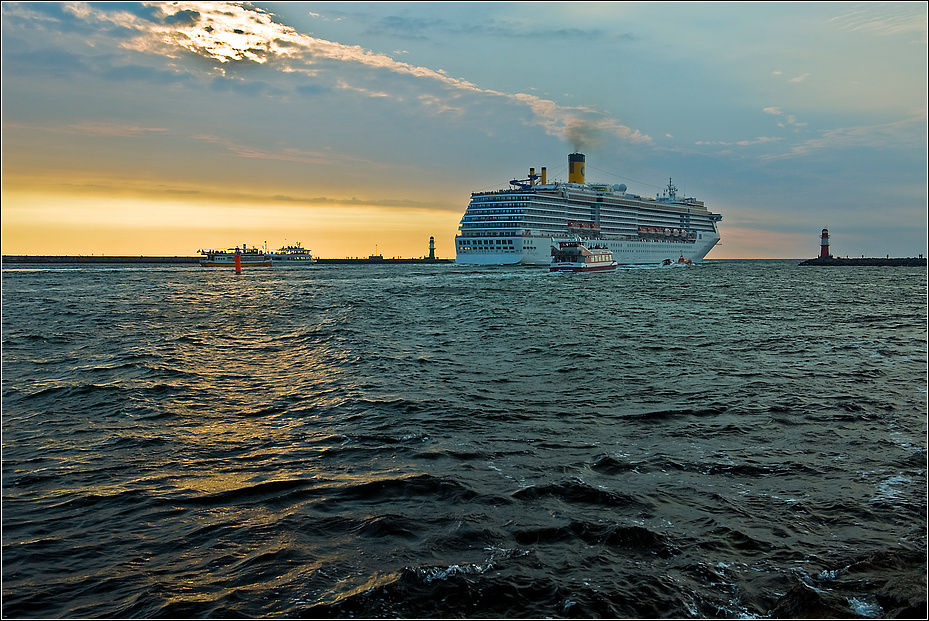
{"points": [[873, 262], [115, 259], [99, 259]]}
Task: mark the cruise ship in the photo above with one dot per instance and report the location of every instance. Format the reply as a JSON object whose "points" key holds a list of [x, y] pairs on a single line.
{"points": [[521, 224]]}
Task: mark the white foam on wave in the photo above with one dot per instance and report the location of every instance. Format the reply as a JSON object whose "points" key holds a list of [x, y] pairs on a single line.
{"points": [[872, 610], [430, 574], [887, 491]]}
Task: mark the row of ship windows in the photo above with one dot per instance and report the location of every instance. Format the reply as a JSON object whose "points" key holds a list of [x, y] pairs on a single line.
{"points": [[520, 201], [485, 242], [559, 216], [505, 245], [509, 242], [480, 244], [511, 215], [560, 205], [559, 224], [495, 199], [543, 206], [464, 248]]}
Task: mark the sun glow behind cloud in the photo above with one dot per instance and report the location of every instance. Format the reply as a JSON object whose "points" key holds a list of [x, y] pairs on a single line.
{"points": [[231, 33], [135, 225]]}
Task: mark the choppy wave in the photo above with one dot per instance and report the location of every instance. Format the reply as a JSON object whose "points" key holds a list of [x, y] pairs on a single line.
{"points": [[440, 441]]}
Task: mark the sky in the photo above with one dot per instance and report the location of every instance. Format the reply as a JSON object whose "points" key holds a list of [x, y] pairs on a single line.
{"points": [[362, 128]]}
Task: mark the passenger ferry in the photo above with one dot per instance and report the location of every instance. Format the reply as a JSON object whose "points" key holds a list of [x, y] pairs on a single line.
{"points": [[249, 257], [574, 256], [292, 256], [520, 224]]}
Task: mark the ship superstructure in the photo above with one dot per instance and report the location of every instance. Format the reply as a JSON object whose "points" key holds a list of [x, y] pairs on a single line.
{"points": [[292, 256], [521, 224]]}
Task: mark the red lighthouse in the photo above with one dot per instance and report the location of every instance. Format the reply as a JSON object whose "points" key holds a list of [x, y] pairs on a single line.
{"points": [[824, 245]]}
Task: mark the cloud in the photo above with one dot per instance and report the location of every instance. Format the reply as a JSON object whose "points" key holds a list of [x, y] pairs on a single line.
{"points": [[112, 129], [907, 132], [231, 37], [434, 28], [759, 140], [185, 17], [302, 156], [739, 143], [885, 20], [790, 119], [89, 128], [407, 27], [794, 80], [370, 202], [223, 32], [440, 105], [367, 92]]}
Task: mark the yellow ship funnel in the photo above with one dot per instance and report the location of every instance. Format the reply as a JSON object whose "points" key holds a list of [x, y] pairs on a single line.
{"points": [[576, 168], [543, 176]]}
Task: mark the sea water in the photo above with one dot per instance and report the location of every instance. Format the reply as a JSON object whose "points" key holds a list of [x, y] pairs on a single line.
{"points": [[451, 441]]}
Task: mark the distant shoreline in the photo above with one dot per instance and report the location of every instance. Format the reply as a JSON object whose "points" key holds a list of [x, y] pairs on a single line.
{"points": [[188, 260], [194, 260]]}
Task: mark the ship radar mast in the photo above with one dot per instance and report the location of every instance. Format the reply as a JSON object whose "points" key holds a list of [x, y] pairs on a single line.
{"points": [[671, 191]]}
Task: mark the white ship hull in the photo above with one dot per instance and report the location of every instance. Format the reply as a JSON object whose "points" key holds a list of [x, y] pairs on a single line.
{"points": [[228, 260], [228, 263], [537, 251], [280, 261]]}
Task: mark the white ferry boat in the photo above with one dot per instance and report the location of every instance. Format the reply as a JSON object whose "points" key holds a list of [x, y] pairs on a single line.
{"points": [[249, 257], [520, 224], [292, 256], [574, 256]]}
